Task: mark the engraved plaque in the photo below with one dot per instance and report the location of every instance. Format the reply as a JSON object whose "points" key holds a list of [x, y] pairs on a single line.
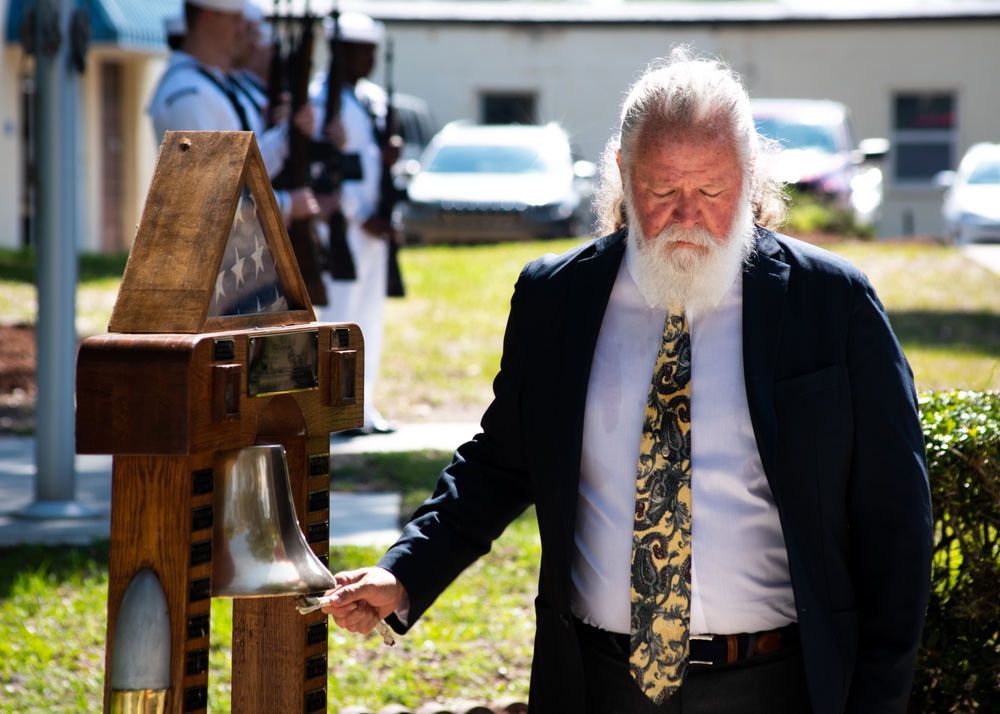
{"points": [[284, 362]]}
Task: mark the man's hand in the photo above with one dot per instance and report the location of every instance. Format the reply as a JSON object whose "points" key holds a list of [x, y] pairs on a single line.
{"points": [[363, 597], [334, 131], [391, 151], [304, 204], [328, 203], [378, 227], [281, 111], [305, 119]]}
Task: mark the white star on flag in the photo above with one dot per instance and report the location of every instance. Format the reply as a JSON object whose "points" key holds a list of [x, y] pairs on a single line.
{"points": [[220, 290], [237, 269], [235, 294], [257, 255]]}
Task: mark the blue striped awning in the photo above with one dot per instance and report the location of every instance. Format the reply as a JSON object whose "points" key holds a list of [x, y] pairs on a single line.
{"points": [[125, 24]]}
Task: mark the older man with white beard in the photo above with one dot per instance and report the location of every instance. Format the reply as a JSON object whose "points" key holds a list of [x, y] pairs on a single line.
{"points": [[719, 433]]}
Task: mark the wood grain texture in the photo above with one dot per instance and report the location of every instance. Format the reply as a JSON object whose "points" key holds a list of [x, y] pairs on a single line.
{"points": [[153, 402], [151, 527], [156, 394], [169, 281]]}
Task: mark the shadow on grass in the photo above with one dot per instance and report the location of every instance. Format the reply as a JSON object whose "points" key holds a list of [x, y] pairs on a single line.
{"points": [[975, 332], [55, 564]]}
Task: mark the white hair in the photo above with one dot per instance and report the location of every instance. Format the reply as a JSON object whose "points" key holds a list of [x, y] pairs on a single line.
{"points": [[679, 93]]}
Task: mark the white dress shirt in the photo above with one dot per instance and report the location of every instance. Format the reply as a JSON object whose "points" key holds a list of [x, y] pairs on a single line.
{"points": [[740, 580]]}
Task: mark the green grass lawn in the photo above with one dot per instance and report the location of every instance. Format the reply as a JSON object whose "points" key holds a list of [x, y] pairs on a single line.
{"points": [[475, 643], [443, 341], [944, 309], [443, 346]]}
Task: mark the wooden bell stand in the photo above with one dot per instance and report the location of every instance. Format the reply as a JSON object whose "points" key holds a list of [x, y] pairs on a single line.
{"points": [[212, 346]]}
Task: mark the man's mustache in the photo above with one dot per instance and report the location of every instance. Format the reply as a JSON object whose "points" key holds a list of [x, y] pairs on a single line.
{"points": [[695, 235]]}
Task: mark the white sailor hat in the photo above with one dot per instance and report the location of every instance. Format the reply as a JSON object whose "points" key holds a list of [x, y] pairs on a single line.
{"points": [[233, 6], [358, 28], [175, 25]]}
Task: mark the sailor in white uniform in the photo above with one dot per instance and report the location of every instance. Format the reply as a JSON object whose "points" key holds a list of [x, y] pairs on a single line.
{"points": [[196, 93], [363, 299]]}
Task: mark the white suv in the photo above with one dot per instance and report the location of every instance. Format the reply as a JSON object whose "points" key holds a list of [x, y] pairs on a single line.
{"points": [[971, 208], [486, 183]]}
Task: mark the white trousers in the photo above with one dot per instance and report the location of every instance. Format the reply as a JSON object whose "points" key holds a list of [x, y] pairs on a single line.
{"points": [[362, 301]]}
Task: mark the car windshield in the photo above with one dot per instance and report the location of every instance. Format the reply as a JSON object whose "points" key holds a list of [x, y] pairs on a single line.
{"points": [[489, 159], [986, 172], [796, 135]]}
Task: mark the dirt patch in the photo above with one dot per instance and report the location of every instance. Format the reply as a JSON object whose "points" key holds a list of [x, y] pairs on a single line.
{"points": [[17, 379]]}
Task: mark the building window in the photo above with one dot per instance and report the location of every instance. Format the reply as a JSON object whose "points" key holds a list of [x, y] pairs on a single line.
{"points": [[508, 109], [925, 135]]}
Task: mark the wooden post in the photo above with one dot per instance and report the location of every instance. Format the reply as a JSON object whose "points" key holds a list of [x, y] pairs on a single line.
{"points": [[209, 354]]}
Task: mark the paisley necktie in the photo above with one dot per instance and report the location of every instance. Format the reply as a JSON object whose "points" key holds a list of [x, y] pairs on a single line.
{"points": [[661, 542]]}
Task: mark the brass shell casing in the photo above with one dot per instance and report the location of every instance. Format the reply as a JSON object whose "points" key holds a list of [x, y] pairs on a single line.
{"points": [[138, 701]]}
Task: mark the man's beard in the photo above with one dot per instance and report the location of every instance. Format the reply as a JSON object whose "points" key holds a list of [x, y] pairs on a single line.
{"points": [[681, 277]]}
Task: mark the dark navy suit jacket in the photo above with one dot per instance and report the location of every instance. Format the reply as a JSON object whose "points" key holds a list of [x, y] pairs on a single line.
{"points": [[835, 416]]}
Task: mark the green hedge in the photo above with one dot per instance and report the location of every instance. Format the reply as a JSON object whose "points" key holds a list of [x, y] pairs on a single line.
{"points": [[958, 669]]}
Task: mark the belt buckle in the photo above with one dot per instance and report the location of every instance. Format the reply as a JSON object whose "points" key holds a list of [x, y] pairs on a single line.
{"points": [[703, 638]]}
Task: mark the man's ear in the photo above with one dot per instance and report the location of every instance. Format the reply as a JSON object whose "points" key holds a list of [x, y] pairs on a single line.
{"points": [[621, 166]]}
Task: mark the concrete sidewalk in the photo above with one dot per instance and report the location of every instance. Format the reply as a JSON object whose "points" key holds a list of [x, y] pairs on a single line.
{"points": [[986, 254], [357, 519]]}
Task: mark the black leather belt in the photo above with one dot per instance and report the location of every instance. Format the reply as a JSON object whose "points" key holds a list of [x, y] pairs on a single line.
{"points": [[726, 649], [709, 650]]}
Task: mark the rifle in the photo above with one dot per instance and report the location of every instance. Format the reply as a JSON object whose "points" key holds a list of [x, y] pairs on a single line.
{"points": [[277, 79], [388, 195], [295, 174], [339, 259]]}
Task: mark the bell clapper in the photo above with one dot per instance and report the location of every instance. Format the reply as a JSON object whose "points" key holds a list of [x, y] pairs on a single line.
{"points": [[305, 604]]}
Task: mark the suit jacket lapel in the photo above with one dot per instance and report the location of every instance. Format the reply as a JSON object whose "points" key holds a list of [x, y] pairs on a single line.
{"points": [[593, 279], [765, 288]]}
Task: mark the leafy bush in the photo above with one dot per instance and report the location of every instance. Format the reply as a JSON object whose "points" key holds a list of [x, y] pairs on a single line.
{"points": [[810, 213], [958, 669]]}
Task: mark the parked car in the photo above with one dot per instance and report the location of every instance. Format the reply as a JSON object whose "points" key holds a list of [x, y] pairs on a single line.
{"points": [[971, 208], [820, 152], [482, 183]]}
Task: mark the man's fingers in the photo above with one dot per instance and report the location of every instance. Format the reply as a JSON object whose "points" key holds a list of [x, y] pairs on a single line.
{"points": [[355, 617], [349, 594], [362, 598]]}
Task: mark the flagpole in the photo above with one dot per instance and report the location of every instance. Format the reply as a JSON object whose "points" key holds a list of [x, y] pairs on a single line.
{"points": [[58, 207]]}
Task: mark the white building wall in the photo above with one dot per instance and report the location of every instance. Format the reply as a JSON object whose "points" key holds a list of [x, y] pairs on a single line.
{"points": [[579, 74], [140, 75], [142, 79]]}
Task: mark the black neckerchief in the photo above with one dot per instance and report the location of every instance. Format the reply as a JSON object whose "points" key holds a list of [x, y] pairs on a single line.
{"points": [[228, 91]]}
